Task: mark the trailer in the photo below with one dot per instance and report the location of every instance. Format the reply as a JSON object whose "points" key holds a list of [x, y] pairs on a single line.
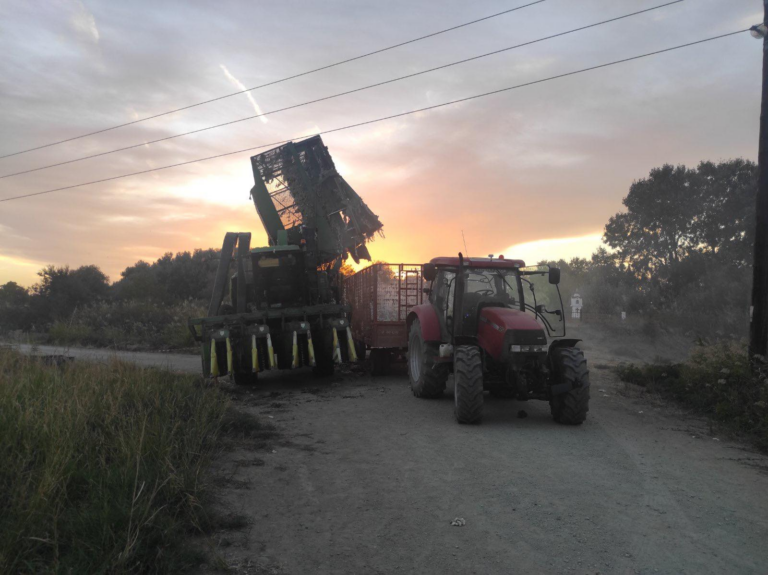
{"points": [[380, 297]]}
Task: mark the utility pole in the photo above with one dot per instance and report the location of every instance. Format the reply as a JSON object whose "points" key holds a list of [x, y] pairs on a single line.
{"points": [[758, 326]]}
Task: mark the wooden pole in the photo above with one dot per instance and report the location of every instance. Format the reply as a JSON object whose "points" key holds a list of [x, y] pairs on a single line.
{"points": [[758, 329]]}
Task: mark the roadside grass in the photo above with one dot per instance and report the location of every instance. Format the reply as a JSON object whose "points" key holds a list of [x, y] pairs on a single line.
{"points": [[717, 381], [103, 467]]}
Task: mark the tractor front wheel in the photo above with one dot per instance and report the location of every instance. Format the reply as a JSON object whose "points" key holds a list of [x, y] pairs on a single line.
{"points": [[427, 378], [468, 377], [571, 408]]}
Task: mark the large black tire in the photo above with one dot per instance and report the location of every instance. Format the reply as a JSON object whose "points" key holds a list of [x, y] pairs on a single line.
{"points": [[242, 370], [468, 378], [323, 344], [571, 367], [427, 377]]}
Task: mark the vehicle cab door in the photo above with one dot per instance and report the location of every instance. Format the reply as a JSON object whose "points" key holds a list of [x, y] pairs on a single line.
{"points": [[441, 297]]}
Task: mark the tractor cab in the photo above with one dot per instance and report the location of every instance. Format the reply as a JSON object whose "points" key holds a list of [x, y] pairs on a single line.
{"points": [[488, 322], [493, 288]]}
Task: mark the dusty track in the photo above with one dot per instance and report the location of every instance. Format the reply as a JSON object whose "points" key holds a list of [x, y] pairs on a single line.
{"points": [[365, 478]]}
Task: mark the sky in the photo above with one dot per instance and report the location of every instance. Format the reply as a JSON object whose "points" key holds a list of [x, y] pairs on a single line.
{"points": [[532, 173]]}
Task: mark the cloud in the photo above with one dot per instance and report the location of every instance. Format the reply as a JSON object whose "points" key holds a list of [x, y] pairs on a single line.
{"points": [[84, 23], [240, 85], [555, 248]]}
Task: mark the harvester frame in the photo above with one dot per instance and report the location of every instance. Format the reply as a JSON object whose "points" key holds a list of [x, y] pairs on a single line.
{"points": [[286, 310]]}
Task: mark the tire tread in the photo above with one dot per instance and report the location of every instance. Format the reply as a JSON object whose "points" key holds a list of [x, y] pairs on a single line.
{"points": [[468, 376]]}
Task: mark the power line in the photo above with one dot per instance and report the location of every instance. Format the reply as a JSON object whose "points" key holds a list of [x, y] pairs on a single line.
{"points": [[348, 60], [378, 84], [367, 122]]}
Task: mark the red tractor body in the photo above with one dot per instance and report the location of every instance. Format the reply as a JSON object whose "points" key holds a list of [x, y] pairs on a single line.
{"points": [[487, 322]]}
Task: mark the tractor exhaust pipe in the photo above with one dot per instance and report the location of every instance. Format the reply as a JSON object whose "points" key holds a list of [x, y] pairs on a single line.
{"points": [[458, 301]]}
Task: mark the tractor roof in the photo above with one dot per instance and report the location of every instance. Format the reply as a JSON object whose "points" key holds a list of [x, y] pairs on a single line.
{"points": [[479, 262]]}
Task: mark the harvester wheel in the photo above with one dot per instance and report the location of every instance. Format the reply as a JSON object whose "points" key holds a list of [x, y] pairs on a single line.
{"points": [[242, 372], [468, 378], [323, 343], [427, 378], [571, 408]]}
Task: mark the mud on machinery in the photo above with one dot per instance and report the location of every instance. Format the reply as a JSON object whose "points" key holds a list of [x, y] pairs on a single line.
{"points": [[483, 323], [285, 309]]}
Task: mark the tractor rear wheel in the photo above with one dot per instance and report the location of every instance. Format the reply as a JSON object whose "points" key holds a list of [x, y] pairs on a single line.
{"points": [[468, 378], [571, 408], [427, 377]]}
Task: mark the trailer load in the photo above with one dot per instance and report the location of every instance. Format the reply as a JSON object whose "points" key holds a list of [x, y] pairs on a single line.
{"points": [[380, 297], [285, 309]]}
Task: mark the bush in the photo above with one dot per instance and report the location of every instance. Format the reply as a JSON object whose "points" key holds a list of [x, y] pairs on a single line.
{"points": [[717, 381], [101, 466], [134, 324]]}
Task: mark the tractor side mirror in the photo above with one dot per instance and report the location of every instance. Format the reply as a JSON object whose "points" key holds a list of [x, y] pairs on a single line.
{"points": [[430, 272], [554, 276]]}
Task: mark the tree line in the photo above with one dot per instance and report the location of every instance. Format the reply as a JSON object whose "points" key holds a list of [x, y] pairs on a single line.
{"points": [[681, 251], [60, 291]]}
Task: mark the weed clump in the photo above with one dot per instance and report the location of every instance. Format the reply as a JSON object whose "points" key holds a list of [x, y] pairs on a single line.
{"points": [[102, 467], [719, 382]]}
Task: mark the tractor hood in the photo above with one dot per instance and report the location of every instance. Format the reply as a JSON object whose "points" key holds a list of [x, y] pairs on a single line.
{"points": [[505, 319], [500, 327]]}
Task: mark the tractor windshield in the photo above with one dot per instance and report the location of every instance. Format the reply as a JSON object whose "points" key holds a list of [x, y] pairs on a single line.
{"points": [[493, 284], [542, 299]]}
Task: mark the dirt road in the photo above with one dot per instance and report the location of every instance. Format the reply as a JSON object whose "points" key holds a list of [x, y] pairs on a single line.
{"points": [[367, 479], [184, 363]]}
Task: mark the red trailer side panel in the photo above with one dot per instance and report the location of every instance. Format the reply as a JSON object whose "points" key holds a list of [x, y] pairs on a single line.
{"points": [[381, 296]]}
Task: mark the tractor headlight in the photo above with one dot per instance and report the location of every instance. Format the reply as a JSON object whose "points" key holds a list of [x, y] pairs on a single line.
{"points": [[528, 348]]}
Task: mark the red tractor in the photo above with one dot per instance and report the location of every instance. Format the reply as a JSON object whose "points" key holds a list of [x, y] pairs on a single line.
{"points": [[485, 323]]}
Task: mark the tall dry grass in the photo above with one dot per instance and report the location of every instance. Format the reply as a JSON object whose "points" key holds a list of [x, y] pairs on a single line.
{"points": [[102, 467]]}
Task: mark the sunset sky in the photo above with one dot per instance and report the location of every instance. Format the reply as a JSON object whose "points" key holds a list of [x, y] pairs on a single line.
{"points": [[541, 168]]}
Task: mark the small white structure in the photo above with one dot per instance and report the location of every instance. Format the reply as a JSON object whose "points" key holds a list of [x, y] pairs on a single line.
{"points": [[576, 305]]}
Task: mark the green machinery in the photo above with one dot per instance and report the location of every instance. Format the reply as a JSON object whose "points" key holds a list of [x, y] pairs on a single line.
{"points": [[285, 307]]}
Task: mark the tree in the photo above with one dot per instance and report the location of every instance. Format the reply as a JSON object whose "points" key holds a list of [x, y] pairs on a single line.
{"points": [[677, 212], [725, 223], [171, 278], [657, 229], [15, 311], [61, 290]]}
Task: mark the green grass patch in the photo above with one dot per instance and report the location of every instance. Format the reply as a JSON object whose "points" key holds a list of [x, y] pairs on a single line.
{"points": [[717, 381], [102, 467]]}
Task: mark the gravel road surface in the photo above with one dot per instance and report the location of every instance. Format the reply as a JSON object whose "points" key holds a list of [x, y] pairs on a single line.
{"points": [[184, 363], [365, 478]]}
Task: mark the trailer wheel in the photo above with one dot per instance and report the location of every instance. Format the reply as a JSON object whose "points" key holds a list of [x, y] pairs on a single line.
{"points": [[571, 408], [381, 361], [427, 377], [468, 378]]}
